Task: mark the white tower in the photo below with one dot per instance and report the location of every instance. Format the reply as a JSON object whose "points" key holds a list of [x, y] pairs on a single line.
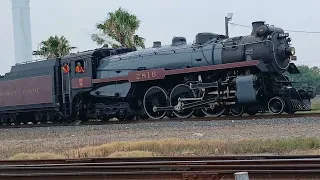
{"points": [[21, 30]]}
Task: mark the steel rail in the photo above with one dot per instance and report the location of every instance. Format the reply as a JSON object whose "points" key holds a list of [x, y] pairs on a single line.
{"points": [[287, 162], [190, 163], [169, 175], [160, 168], [245, 117], [166, 160], [263, 167]]}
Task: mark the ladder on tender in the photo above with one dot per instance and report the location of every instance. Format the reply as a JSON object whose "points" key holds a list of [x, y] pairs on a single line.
{"points": [[66, 93]]}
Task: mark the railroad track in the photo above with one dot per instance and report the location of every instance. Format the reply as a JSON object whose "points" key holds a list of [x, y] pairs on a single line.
{"points": [[186, 168], [245, 117], [157, 159]]}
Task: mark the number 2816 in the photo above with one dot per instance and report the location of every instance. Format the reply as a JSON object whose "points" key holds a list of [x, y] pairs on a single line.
{"points": [[146, 75]]}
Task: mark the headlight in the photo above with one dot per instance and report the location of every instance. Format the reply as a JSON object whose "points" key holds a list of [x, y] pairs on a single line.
{"points": [[293, 51], [290, 51]]}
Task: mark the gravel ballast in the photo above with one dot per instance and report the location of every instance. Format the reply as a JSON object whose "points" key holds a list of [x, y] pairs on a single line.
{"points": [[58, 139]]}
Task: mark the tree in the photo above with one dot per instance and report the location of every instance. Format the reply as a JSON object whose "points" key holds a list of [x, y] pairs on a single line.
{"points": [[121, 26], [308, 75], [54, 46]]}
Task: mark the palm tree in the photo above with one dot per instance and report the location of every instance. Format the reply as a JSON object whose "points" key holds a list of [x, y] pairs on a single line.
{"points": [[120, 26], [53, 47]]}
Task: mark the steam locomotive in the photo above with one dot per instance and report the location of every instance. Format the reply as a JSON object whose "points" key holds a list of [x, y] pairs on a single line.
{"points": [[215, 75]]}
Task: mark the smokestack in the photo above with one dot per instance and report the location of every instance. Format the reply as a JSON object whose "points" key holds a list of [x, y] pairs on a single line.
{"points": [[21, 30], [255, 25]]}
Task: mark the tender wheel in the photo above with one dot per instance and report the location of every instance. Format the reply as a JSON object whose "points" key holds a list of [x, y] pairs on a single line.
{"points": [[182, 91], [38, 118], [3, 119], [276, 105], [155, 96], [58, 118], [236, 111], [14, 119]]}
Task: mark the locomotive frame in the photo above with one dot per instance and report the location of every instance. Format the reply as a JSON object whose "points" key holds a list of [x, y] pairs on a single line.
{"points": [[231, 88]]}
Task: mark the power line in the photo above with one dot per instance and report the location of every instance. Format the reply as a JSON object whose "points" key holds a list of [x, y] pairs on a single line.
{"points": [[295, 31]]}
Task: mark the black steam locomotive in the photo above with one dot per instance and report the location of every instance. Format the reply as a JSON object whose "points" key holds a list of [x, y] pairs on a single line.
{"points": [[215, 75]]}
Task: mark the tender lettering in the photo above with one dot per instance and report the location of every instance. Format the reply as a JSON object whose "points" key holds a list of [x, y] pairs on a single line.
{"points": [[24, 91], [32, 90], [146, 75], [8, 93]]}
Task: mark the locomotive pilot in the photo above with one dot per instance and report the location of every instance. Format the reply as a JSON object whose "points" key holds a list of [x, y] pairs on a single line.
{"points": [[79, 68]]}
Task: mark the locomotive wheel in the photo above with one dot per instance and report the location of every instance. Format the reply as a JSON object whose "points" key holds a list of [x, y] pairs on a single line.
{"points": [[143, 115], [252, 113], [128, 118], [236, 111], [216, 111], [155, 96], [170, 114], [276, 105], [182, 91], [198, 113]]}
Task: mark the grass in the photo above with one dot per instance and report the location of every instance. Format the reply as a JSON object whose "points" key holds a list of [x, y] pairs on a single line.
{"points": [[179, 147], [36, 156], [316, 105]]}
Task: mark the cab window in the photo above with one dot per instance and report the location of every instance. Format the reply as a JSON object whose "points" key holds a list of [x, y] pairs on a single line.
{"points": [[65, 68], [80, 66]]}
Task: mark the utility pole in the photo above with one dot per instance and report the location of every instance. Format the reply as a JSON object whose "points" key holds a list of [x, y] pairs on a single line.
{"points": [[227, 19]]}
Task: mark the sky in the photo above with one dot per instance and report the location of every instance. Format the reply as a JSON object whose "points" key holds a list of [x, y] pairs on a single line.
{"points": [[161, 20]]}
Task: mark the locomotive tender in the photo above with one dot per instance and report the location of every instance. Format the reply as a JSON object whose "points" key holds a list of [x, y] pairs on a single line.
{"points": [[216, 75]]}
